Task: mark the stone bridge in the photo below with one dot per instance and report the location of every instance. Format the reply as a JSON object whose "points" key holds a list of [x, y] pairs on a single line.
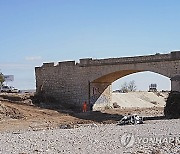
{"points": [[90, 80]]}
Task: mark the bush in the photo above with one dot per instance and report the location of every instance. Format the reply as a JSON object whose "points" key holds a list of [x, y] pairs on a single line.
{"points": [[172, 108]]}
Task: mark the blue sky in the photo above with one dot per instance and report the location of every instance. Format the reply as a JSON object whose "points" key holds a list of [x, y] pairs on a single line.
{"points": [[37, 31]]}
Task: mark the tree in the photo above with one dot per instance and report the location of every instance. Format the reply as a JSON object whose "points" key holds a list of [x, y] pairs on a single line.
{"points": [[124, 87], [132, 86], [127, 87], [1, 79]]}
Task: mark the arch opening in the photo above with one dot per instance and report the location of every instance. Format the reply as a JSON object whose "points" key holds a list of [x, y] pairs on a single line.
{"points": [[143, 80], [101, 88]]}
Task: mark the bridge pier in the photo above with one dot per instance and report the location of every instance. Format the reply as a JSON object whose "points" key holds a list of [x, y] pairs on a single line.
{"points": [[100, 94], [175, 83]]}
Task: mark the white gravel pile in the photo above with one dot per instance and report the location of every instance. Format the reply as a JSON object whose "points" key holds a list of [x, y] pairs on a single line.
{"points": [[139, 99], [151, 137]]}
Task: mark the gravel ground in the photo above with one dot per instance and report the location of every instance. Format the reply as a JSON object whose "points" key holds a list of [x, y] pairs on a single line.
{"points": [[156, 137]]}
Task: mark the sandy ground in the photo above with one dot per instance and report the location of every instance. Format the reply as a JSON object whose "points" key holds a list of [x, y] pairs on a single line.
{"points": [[140, 99]]}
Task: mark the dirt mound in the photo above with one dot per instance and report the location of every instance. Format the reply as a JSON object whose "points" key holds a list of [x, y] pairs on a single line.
{"points": [[9, 112], [139, 99], [17, 98]]}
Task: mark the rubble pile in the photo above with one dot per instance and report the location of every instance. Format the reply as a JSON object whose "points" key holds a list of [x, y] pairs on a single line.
{"points": [[9, 112], [17, 98]]}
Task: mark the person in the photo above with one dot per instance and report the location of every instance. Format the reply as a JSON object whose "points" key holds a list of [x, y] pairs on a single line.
{"points": [[85, 107]]}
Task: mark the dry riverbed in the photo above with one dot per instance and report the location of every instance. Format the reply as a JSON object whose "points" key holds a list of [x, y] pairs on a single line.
{"points": [[25, 128]]}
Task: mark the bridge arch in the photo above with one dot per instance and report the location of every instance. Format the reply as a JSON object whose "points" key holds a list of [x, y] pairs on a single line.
{"points": [[101, 88], [112, 73]]}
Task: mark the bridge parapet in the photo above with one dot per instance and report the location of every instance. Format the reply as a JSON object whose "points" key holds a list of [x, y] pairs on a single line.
{"points": [[127, 60], [85, 61], [175, 54], [63, 63], [48, 64], [66, 63], [123, 60]]}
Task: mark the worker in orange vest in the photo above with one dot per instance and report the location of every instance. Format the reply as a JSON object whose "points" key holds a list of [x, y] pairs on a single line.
{"points": [[84, 106]]}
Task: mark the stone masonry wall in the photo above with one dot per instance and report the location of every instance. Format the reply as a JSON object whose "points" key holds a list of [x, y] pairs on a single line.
{"points": [[63, 82]]}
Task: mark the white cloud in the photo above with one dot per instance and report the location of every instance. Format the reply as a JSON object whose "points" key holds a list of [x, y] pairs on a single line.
{"points": [[14, 66], [33, 58]]}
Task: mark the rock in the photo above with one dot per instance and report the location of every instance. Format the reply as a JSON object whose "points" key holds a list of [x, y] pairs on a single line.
{"points": [[65, 126], [115, 105]]}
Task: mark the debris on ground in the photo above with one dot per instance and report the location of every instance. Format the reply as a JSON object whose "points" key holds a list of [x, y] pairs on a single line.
{"points": [[131, 119]]}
